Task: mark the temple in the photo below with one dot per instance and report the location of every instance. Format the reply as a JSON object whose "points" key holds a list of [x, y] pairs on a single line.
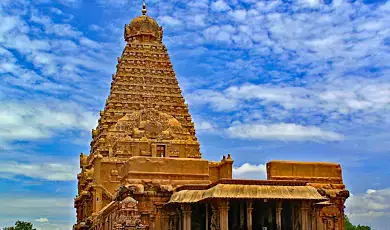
{"points": [[145, 169]]}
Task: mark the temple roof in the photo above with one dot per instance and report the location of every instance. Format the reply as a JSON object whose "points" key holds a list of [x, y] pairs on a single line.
{"points": [[143, 25], [243, 191]]}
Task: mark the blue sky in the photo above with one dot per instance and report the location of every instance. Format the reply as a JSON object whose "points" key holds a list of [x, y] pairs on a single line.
{"points": [[296, 80]]}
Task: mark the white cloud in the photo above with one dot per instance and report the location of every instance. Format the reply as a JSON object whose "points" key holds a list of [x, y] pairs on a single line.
{"points": [[371, 208], [312, 3], [58, 209], [169, 21], [204, 126], [30, 120], [249, 171], [238, 15], [283, 131], [216, 99], [220, 5], [113, 3], [42, 220], [46, 171]]}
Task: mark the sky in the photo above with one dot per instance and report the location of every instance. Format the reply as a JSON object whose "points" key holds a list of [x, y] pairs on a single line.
{"points": [[305, 80]]}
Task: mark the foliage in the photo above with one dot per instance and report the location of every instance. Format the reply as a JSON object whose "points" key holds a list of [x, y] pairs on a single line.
{"points": [[21, 225], [349, 226]]}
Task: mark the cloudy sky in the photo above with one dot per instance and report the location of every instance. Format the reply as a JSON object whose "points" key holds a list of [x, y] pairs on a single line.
{"points": [[296, 80]]}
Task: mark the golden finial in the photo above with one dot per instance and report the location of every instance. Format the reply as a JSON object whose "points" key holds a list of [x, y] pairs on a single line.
{"points": [[144, 8]]}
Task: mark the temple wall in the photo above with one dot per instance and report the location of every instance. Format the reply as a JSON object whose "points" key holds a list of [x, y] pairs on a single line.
{"points": [[214, 171], [159, 168], [314, 172], [221, 170], [326, 178], [226, 170], [109, 177]]}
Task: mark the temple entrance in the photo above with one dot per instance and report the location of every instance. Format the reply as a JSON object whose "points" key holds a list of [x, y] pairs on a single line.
{"points": [[198, 216], [288, 215], [251, 214], [263, 215], [237, 215], [160, 149]]}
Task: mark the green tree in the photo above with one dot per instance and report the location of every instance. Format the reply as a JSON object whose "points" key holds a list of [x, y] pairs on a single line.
{"points": [[21, 225], [349, 226]]}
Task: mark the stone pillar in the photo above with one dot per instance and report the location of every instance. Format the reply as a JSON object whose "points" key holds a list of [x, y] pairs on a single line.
{"points": [[223, 215], [320, 220], [154, 150], [325, 224], [207, 217], [97, 168], [249, 215], [305, 215], [180, 219], [97, 200], [152, 222], [314, 219], [157, 220], [164, 221], [98, 194], [186, 216], [279, 215], [176, 221]]}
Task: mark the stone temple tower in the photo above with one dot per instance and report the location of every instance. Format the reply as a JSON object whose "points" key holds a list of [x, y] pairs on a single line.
{"points": [[145, 132], [145, 170], [145, 113]]}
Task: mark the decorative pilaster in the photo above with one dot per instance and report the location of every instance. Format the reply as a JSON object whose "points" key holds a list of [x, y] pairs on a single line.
{"points": [[97, 200], [305, 216], [279, 215], [224, 214], [157, 222], [249, 215], [186, 216], [314, 218], [320, 220], [180, 219], [164, 221], [154, 150], [152, 219], [176, 221]]}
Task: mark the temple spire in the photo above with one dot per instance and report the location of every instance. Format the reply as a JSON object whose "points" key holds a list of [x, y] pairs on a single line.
{"points": [[144, 8]]}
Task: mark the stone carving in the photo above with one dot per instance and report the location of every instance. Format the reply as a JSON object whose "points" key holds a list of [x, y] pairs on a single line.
{"points": [[193, 152], [174, 153], [214, 225], [129, 218], [146, 152], [151, 124]]}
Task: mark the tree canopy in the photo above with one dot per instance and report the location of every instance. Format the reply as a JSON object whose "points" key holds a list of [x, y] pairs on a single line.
{"points": [[21, 225], [349, 226]]}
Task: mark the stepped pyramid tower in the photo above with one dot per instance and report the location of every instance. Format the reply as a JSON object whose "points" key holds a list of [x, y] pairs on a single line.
{"points": [[145, 107], [145, 170], [145, 137]]}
